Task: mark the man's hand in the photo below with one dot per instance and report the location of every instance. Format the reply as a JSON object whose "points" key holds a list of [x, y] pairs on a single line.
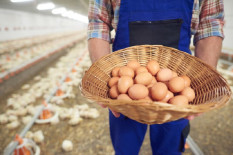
{"points": [[192, 116], [116, 114], [208, 50]]}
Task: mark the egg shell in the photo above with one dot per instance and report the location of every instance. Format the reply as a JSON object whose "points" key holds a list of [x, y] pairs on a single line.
{"points": [[134, 64], [153, 67], [113, 81], [126, 71], [124, 97], [176, 84], [158, 91], [187, 81], [147, 98], [150, 85], [167, 97], [124, 83], [144, 78], [138, 91], [189, 93], [153, 81], [141, 69], [115, 71], [113, 92], [180, 100], [164, 74]]}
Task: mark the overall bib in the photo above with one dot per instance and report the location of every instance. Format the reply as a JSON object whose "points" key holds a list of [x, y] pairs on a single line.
{"points": [[153, 22]]}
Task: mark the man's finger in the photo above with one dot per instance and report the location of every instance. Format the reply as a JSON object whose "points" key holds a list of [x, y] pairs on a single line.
{"points": [[116, 114], [193, 116], [103, 106]]}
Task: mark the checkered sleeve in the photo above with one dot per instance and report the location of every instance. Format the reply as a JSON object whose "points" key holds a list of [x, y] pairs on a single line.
{"points": [[99, 15], [211, 20]]}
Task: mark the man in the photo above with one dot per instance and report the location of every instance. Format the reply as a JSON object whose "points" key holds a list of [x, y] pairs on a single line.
{"points": [[165, 22]]}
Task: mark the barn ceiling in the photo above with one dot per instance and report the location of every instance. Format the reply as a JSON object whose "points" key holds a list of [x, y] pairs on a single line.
{"points": [[78, 6]]}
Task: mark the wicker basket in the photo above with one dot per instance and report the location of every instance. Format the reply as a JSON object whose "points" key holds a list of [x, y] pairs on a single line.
{"points": [[211, 89]]}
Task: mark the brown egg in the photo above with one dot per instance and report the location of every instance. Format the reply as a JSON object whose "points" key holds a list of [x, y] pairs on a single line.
{"points": [[126, 71], [187, 81], [153, 67], [140, 70], [176, 84], [124, 97], [115, 71], [164, 75], [113, 81], [180, 100], [124, 83], [189, 93], [134, 64], [158, 91], [148, 98], [153, 81], [113, 92], [167, 97], [144, 78], [150, 85], [174, 74], [138, 91]]}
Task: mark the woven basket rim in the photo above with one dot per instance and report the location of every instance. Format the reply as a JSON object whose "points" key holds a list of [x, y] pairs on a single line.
{"points": [[189, 108]]}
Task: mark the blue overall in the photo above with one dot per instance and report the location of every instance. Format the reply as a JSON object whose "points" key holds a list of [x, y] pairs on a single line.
{"points": [[164, 22]]}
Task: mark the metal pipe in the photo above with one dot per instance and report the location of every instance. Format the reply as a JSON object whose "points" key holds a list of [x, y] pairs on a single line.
{"points": [[194, 147]]}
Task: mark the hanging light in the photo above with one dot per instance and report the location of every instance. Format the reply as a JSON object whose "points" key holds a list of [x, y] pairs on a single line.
{"points": [[45, 6], [20, 1], [58, 10]]}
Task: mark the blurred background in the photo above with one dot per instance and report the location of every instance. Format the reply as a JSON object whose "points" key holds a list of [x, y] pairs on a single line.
{"points": [[43, 56]]}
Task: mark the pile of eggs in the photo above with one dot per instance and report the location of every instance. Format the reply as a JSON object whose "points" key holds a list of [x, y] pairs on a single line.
{"points": [[151, 83]]}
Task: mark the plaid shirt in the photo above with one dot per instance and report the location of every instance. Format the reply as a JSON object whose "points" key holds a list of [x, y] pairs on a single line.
{"points": [[207, 18]]}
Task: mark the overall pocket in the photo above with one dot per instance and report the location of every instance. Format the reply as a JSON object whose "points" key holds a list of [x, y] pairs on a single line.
{"points": [[163, 32]]}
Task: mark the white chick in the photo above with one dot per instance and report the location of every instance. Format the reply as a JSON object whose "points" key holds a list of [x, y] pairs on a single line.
{"points": [[31, 110], [10, 112], [91, 113], [21, 112], [65, 113], [12, 118], [67, 145], [82, 107], [26, 119], [75, 120], [3, 119], [29, 135], [38, 136], [12, 125], [16, 105]]}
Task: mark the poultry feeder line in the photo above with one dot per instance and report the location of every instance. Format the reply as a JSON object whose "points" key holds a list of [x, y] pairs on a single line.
{"points": [[11, 147], [36, 43], [194, 147], [60, 83], [26, 146], [34, 60]]}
